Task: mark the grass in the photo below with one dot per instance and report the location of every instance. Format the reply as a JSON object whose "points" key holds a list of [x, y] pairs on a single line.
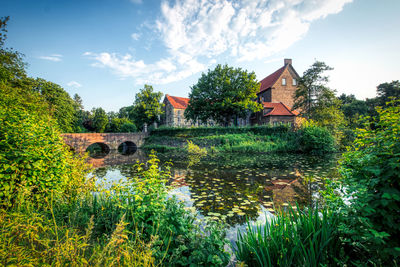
{"points": [[305, 238], [229, 142]]}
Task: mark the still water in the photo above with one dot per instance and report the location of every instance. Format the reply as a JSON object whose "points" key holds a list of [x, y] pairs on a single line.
{"points": [[233, 187]]}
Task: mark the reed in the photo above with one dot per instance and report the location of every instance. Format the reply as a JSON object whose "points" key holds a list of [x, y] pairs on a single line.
{"points": [[304, 238]]}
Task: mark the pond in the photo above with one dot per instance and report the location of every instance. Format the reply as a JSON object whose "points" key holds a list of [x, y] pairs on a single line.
{"points": [[233, 187]]}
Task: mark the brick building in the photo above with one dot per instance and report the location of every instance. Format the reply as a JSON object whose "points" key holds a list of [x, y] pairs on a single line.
{"points": [[277, 96]]}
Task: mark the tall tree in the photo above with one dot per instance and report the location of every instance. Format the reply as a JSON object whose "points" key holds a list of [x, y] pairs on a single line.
{"points": [[311, 87], [99, 120], [147, 106], [386, 91], [222, 95]]}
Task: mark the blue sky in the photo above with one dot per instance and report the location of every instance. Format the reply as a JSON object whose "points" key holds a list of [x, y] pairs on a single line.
{"points": [[106, 50]]}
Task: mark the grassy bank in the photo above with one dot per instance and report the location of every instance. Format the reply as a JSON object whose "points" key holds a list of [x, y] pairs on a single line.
{"points": [[258, 139]]}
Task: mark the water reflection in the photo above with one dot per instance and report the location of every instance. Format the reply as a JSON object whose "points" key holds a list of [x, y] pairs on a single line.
{"points": [[114, 158], [235, 186]]}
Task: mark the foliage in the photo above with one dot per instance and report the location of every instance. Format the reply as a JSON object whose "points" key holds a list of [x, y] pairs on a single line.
{"points": [[128, 127], [98, 119], [304, 238], [147, 107], [315, 139], [186, 132], [222, 95], [120, 125], [33, 156], [311, 87], [62, 106], [3, 30], [352, 109], [388, 91], [195, 149], [371, 172], [31, 239]]}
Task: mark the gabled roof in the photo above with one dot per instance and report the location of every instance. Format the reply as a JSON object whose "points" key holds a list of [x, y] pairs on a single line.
{"points": [[279, 109], [178, 102], [268, 81]]}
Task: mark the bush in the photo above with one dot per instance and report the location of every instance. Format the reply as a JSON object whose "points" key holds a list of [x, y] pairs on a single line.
{"points": [[33, 156], [128, 127], [371, 172], [316, 140]]}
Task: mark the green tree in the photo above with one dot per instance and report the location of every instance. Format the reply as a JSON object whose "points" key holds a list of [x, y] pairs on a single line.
{"points": [[352, 109], [119, 125], [99, 120], [147, 106], [78, 102], [223, 95], [387, 91], [311, 89], [60, 103]]}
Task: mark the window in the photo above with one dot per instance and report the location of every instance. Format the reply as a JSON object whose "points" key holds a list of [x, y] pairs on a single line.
{"points": [[294, 82], [283, 81]]}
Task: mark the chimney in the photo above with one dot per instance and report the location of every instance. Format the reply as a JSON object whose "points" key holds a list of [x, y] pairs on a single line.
{"points": [[287, 61]]}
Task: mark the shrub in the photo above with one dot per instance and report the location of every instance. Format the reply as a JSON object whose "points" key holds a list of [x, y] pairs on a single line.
{"points": [[316, 140], [33, 156], [128, 127], [371, 172]]}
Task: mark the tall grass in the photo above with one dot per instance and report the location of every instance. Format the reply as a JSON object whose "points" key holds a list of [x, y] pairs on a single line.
{"points": [[305, 238]]}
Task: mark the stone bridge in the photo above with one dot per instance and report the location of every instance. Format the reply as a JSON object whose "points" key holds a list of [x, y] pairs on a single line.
{"points": [[80, 141]]}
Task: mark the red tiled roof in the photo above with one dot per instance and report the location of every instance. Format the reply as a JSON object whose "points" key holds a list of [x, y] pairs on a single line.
{"points": [[279, 109], [268, 81], [178, 102]]}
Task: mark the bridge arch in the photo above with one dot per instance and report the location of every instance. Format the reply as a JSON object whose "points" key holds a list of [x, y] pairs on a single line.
{"points": [[127, 148], [98, 150]]}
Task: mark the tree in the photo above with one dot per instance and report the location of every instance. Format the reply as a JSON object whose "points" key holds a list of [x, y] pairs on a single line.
{"points": [[99, 120], [60, 103], [223, 94], [311, 88], [352, 109], [147, 106], [386, 91], [78, 102]]}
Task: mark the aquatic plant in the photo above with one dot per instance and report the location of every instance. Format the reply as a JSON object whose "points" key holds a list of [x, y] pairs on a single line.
{"points": [[295, 238]]}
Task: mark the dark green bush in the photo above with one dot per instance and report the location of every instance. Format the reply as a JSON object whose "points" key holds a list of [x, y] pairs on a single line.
{"points": [[128, 127], [316, 140]]}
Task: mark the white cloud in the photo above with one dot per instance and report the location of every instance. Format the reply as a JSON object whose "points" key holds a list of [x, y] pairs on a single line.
{"points": [[196, 32], [74, 84], [54, 57], [135, 36]]}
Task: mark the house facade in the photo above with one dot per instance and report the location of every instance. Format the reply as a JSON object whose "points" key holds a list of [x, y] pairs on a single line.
{"points": [[276, 96], [174, 108]]}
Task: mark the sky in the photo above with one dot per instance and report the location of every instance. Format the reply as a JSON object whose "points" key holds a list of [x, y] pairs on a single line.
{"points": [[106, 50]]}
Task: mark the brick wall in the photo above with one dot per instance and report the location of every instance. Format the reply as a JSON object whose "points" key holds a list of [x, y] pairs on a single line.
{"points": [[284, 93]]}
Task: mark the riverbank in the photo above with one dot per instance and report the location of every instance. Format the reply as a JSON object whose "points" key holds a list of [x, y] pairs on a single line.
{"points": [[251, 139]]}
